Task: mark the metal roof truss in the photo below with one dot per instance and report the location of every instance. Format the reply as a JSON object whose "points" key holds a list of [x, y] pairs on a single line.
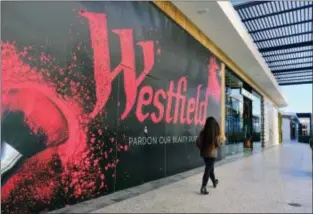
{"points": [[283, 33]]}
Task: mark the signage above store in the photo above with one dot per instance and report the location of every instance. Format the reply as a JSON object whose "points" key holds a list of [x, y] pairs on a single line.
{"points": [[246, 93]]}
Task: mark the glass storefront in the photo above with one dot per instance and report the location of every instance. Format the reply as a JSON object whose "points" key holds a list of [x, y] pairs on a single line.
{"points": [[243, 113], [234, 113]]}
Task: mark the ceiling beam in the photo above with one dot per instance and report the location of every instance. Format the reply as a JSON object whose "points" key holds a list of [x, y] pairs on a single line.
{"points": [[303, 115], [282, 47], [293, 69], [288, 77], [296, 63], [302, 51], [283, 37], [292, 73], [280, 26], [295, 79], [288, 59], [295, 83], [249, 4], [277, 13]]}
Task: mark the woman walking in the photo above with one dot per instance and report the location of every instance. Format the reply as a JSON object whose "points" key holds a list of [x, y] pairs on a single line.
{"points": [[208, 142]]}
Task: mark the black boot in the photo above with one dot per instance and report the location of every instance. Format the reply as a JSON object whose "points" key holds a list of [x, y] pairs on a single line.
{"points": [[215, 183], [204, 191]]}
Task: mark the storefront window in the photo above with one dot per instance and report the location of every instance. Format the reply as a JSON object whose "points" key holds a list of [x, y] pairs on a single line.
{"points": [[243, 113], [234, 108]]}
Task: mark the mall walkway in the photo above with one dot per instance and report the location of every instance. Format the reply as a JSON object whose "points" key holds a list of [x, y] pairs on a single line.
{"points": [[264, 182], [276, 180]]}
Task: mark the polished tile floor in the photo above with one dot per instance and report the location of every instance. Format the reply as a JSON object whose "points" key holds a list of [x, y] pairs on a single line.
{"points": [[276, 180]]}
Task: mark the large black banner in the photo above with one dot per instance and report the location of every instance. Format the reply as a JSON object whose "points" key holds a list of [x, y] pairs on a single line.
{"points": [[97, 97]]}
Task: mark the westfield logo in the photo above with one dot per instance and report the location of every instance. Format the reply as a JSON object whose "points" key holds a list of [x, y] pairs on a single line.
{"points": [[171, 106]]}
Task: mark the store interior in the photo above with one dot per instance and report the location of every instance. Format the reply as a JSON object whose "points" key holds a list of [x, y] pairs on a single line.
{"points": [[243, 115]]}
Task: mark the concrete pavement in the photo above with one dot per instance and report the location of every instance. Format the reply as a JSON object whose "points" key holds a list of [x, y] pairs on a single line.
{"points": [[276, 180]]}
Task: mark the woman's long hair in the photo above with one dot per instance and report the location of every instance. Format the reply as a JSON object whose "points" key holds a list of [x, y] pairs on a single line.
{"points": [[209, 133]]}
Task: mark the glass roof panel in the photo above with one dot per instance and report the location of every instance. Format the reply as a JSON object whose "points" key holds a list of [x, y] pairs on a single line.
{"points": [[282, 30]]}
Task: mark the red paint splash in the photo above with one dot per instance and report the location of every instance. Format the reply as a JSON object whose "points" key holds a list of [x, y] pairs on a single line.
{"points": [[36, 92], [61, 117], [39, 93], [35, 106], [24, 88]]}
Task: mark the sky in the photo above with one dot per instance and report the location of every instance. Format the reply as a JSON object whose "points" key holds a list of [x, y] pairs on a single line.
{"points": [[298, 97]]}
